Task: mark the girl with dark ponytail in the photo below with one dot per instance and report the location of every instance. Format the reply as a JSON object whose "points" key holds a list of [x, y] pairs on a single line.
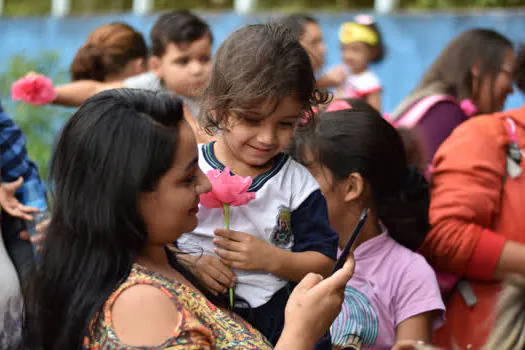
{"points": [[360, 162]]}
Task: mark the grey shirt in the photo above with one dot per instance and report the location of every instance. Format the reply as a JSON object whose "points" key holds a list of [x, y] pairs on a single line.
{"points": [[149, 81]]}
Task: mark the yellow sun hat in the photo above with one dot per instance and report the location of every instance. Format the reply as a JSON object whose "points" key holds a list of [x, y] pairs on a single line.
{"points": [[352, 32]]}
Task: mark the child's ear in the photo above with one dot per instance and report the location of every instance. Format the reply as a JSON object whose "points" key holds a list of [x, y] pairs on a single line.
{"points": [[354, 187], [139, 65], [155, 66]]}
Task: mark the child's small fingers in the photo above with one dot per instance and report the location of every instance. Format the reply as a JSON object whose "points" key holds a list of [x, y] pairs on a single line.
{"points": [[37, 238], [25, 235], [229, 234], [227, 255], [41, 227]]}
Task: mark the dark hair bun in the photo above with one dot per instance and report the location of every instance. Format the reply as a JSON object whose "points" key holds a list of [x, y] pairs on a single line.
{"points": [[406, 213], [519, 69]]}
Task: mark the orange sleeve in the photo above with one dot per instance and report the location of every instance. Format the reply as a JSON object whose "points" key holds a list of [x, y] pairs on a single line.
{"points": [[468, 175]]}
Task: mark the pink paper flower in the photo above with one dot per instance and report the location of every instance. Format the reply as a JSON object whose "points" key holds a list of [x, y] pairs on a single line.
{"points": [[36, 90], [227, 189]]}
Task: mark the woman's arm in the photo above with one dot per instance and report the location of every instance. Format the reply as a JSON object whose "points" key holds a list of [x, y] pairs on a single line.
{"points": [[143, 315], [468, 177]]}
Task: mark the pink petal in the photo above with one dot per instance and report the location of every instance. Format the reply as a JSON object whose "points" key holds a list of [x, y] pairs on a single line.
{"points": [[224, 193], [227, 188], [210, 201], [243, 199]]}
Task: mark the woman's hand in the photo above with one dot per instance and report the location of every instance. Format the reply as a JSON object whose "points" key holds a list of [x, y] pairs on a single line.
{"points": [[312, 308], [215, 276]]}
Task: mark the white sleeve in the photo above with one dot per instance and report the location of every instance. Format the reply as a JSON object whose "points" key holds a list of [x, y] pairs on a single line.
{"points": [[145, 81], [301, 183], [367, 83]]}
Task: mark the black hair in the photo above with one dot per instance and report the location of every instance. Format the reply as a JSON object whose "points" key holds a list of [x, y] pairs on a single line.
{"points": [[519, 69], [258, 63], [360, 140], [379, 50], [177, 27], [296, 23], [97, 172]]}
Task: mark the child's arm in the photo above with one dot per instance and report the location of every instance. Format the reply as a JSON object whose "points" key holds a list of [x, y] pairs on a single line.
{"points": [[374, 100], [335, 77], [314, 249], [418, 328], [294, 266], [417, 301], [76, 93], [243, 251]]}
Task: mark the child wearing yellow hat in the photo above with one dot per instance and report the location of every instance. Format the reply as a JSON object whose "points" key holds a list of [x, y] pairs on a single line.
{"points": [[361, 45]]}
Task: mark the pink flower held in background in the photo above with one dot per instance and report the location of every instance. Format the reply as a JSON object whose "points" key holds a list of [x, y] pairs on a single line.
{"points": [[227, 190], [35, 90]]}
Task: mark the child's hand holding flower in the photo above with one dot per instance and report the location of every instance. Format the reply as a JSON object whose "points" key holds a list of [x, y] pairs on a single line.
{"points": [[242, 251], [227, 190]]}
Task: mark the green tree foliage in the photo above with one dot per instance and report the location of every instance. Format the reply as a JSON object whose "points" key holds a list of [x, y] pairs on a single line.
{"points": [[39, 123], [459, 4], [39, 7]]}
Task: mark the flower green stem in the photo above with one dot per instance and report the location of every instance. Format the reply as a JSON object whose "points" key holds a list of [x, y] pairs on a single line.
{"points": [[226, 209]]}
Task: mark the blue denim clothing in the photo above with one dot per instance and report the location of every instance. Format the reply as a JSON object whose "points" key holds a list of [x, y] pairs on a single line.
{"points": [[15, 161]]}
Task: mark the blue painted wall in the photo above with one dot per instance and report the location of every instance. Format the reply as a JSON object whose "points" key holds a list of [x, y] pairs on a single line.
{"points": [[413, 41]]}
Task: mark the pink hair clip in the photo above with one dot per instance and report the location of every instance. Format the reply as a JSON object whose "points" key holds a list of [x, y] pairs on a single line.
{"points": [[468, 107]]}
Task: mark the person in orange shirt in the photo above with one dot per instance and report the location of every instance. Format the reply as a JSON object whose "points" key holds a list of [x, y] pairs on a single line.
{"points": [[476, 213]]}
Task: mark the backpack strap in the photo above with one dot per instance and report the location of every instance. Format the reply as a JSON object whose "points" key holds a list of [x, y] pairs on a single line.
{"points": [[420, 108], [514, 153], [511, 129]]}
